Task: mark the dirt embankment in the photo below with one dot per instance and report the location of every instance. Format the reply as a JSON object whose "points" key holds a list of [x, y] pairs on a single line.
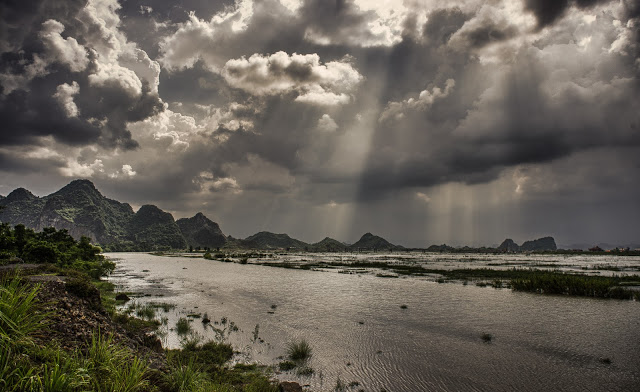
{"points": [[75, 313]]}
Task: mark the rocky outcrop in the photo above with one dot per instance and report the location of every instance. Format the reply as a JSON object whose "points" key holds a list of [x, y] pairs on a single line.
{"points": [[539, 245], [508, 246], [373, 242], [155, 229], [200, 231], [268, 240], [328, 245]]}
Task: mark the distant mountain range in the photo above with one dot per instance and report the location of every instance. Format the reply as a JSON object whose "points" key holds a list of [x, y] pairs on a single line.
{"points": [[82, 210]]}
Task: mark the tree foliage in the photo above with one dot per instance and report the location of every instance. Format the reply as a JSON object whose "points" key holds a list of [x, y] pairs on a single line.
{"points": [[21, 244]]}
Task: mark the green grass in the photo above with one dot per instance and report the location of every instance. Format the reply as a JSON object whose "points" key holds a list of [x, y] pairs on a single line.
{"points": [[113, 367], [19, 313], [299, 351], [568, 284], [183, 327], [186, 377], [146, 312]]}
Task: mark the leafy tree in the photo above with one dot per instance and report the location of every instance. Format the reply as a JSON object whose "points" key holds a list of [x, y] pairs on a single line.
{"points": [[41, 252]]}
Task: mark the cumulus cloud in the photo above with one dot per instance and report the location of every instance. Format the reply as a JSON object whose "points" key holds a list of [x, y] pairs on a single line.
{"points": [[397, 110], [117, 77], [327, 124], [84, 170], [72, 74], [64, 94], [195, 38], [281, 73], [66, 51]]}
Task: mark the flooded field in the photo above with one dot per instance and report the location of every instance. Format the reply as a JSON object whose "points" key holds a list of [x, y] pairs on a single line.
{"points": [[405, 334]]}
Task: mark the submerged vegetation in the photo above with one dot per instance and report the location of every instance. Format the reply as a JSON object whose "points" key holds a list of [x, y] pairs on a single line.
{"points": [[520, 279]]}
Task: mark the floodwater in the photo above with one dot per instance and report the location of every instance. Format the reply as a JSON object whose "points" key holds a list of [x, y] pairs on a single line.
{"points": [[359, 331]]}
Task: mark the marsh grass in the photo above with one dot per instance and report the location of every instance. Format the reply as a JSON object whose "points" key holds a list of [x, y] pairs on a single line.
{"points": [[166, 307], [183, 327], [569, 284], [146, 312], [299, 351]]}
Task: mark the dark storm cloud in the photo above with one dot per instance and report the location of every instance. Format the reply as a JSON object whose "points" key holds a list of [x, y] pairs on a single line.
{"points": [[17, 163], [55, 84], [434, 137], [443, 23], [548, 11], [338, 22], [21, 18], [483, 35]]}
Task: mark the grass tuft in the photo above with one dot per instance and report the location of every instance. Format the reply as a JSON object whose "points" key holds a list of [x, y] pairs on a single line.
{"points": [[299, 351], [183, 327]]}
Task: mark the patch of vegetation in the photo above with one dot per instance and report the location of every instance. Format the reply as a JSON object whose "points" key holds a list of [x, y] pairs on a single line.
{"points": [[568, 284], [103, 364], [299, 350], [486, 337], [305, 371], [183, 327], [19, 314], [146, 312], [532, 280], [287, 365], [54, 247]]}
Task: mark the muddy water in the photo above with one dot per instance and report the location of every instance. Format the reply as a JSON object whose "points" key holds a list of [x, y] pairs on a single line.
{"points": [[359, 331]]}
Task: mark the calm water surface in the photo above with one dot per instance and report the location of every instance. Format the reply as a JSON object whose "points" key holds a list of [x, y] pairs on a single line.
{"points": [[359, 332]]}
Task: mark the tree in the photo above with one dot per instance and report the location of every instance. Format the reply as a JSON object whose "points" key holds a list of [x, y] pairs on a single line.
{"points": [[41, 252]]}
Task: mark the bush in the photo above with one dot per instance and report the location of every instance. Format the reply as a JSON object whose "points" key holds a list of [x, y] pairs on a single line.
{"points": [[82, 288], [41, 252]]}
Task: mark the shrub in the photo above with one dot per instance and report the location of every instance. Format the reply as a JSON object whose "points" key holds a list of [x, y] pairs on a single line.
{"points": [[41, 252]]}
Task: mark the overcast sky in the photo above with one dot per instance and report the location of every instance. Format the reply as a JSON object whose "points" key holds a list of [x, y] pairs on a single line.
{"points": [[422, 121]]}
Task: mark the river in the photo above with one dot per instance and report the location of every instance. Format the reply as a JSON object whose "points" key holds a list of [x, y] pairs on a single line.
{"points": [[404, 334]]}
